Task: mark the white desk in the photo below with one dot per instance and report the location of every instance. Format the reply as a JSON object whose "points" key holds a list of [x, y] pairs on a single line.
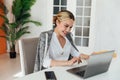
{"points": [[112, 74]]}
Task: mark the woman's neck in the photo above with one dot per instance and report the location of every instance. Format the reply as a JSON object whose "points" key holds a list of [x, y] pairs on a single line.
{"points": [[60, 38], [57, 33]]}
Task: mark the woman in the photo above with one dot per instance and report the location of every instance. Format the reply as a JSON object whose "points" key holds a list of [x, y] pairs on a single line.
{"points": [[56, 46]]}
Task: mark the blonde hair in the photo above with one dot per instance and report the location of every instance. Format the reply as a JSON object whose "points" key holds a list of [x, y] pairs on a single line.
{"points": [[63, 15]]}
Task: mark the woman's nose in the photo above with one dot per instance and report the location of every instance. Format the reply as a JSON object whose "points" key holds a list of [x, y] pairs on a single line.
{"points": [[68, 29]]}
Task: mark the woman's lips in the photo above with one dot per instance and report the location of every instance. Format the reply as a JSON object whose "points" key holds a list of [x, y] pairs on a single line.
{"points": [[65, 32]]}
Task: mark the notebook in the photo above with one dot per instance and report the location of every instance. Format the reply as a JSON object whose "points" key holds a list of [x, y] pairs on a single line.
{"points": [[97, 63]]}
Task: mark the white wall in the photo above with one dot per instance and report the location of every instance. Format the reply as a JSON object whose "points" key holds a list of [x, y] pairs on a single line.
{"points": [[107, 25], [42, 12]]}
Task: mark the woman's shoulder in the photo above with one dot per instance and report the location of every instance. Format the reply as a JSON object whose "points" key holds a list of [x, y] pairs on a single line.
{"points": [[49, 31], [43, 35]]}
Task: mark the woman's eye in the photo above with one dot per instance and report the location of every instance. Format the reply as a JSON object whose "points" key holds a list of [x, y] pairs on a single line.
{"points": [[66, 26], [70, 27]]}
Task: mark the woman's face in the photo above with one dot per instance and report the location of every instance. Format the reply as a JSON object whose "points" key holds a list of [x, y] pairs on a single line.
{"points": [[65, 26]]}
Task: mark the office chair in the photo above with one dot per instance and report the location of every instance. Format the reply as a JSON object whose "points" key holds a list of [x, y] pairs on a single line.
{"points": [[27, 49]]}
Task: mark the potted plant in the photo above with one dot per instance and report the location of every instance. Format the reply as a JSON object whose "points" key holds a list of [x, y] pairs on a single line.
{"points": [[14, 30]]}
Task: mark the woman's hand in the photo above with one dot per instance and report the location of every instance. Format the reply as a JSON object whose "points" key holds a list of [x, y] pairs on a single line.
{"points": [[73, 60], [84, 56]]}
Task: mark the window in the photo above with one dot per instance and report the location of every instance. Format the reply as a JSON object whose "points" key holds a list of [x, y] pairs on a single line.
{"points": [[82, 25], [59, 5]]}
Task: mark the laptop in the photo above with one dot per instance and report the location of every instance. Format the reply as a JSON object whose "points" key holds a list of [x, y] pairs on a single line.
{"points": [[97, 63]]}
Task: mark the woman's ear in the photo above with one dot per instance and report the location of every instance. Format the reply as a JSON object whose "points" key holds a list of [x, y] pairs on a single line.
{"points": [[57, 22]]}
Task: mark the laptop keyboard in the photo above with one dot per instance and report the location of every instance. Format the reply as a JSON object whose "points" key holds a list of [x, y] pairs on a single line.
{"points": [[81, 73]]}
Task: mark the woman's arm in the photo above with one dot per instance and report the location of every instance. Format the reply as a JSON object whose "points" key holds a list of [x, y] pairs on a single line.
{"points": [[63, 62], [68, 62], [39, 53], [84, 56]]}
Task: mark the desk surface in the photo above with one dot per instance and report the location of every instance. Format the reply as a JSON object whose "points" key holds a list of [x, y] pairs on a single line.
{"points": [[112, 74]]}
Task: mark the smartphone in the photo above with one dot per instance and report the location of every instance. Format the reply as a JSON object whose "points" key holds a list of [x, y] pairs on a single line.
{"points": [[50, 75]]}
